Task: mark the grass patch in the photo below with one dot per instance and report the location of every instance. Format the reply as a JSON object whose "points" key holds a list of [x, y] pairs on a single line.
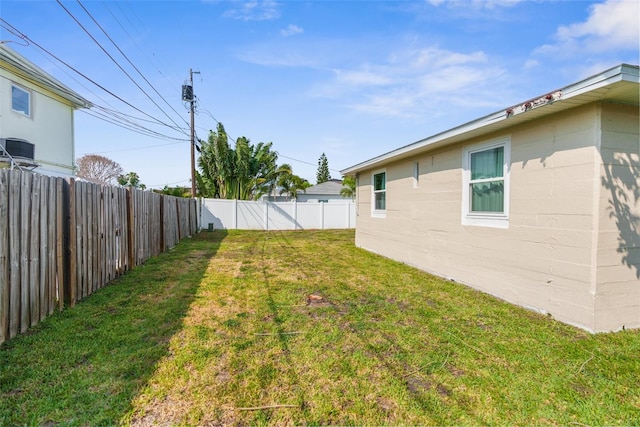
{"points": [[83, 366], [303, 328]]}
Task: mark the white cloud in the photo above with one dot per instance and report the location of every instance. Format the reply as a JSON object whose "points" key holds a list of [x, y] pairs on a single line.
{"points": [[492, 4], [361, 77], [254, 10], [389, 104], [611, 25], [435, 57], [400, 79], [271, 56], [291, 30], [475, 4], [414, 81]]}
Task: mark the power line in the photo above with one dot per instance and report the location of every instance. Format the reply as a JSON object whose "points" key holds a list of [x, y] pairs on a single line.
{"points": [[133, 40], [115, 119], [138, 148], [177, 127], [33, 42], [279, 155], [111, 116], [134, 67]]}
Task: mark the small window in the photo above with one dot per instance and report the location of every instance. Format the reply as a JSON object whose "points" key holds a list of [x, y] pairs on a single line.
{"points": [[486, 184], [20, 100], [379, 202], [416, 174]]}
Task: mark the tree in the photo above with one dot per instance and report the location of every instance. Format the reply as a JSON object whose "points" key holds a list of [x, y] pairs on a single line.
{"points": [[244, 172], [323, 174], [98, 169], [291, 184], [132, 180], [348, 189], [175, 191]]}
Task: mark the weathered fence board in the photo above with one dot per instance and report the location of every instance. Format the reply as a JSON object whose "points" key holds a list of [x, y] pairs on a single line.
{"points": [[4, 259], [33, 290], [62, 240]]}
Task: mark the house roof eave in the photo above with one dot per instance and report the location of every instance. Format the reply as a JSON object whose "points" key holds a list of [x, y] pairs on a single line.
{"points": [[21, 66], [616, 84]]}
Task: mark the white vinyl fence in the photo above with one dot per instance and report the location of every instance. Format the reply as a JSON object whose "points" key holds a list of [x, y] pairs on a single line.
{"points": [[250, 215]]}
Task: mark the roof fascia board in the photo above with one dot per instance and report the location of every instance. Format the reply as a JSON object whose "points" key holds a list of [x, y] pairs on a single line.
{"points": [[623, 72], [21, 66]]}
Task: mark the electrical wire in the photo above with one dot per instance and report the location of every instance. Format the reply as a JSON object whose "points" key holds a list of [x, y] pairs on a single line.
{"points": [[279, 154], [109, 115], [177, 127], [34, 43], [134, 67], [137, 148], [133, 40], [115, 119]]}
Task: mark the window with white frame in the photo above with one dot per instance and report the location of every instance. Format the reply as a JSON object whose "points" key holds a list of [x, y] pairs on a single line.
{"points": [[20, 100], [379, 194], [486, 184]]}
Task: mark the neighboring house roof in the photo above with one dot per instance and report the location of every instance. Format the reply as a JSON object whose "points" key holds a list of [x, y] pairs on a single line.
{"points": [[618, 84], [17, 64], [331, 187]]}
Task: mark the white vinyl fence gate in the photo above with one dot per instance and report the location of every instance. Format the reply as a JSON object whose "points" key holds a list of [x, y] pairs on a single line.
{"points": [[260, 215]]}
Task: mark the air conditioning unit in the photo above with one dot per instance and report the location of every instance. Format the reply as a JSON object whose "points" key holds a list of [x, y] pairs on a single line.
{"points": [[16, 151], [18, 148]]}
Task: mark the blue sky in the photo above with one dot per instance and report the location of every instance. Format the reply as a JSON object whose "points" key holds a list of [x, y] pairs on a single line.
{"points": [[352, 79]]}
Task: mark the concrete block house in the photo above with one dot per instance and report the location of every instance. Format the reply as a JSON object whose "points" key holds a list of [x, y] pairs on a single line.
{"points": [[537, 204]]}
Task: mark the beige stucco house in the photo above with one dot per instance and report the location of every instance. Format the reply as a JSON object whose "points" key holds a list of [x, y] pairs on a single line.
{"points": [[538, 204], [36, 117]]}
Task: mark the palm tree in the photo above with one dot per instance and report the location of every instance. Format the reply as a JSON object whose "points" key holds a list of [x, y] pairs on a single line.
{"points": [[175, 191], [291, 184], [215, 165], [244, 172], [348, 189]]}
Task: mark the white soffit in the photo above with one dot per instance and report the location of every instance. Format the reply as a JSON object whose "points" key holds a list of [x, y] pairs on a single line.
{"points": [[31, 72]]}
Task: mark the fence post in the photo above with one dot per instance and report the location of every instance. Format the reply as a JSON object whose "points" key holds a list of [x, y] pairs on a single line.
{"points": [[14, 252], [190, 222], [130, 231], [266, 215], [178, 220], [235, 214], [4, 250], [72, 248], [197, 206], [348, 214], [295, 214], [61, 275], [33, 254], [25, 217], [162, 225]]}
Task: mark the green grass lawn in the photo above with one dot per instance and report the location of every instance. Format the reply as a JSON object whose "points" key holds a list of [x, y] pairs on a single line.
{"points": [[303, 328]]}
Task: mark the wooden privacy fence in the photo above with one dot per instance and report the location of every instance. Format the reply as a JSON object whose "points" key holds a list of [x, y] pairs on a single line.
{"points": [[61, 240]]}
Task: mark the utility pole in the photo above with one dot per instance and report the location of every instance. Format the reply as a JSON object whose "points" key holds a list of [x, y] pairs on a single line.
{"points": [[190, 96]]}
